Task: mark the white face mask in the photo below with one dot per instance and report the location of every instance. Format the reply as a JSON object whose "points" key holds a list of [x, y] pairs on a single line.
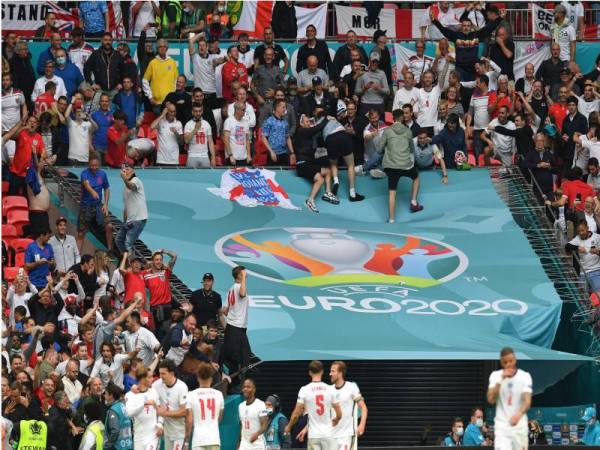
{"points": [[479, 423], [269, 411], [460, 431]]}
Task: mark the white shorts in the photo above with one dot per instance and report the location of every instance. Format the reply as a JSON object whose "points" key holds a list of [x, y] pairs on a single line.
{"points": [[174, 444], [344, 443], [321, 444], [511, 439]]}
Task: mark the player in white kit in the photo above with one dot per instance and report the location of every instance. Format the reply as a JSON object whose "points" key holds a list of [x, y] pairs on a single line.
{"points": [[172, 393], [204, 412], [141, 407], [510, 389], [346, 432], [318, 400], [254, 419]]}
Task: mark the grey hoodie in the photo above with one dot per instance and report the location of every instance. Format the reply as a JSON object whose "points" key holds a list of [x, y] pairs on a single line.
{"points": [[398, 147]]}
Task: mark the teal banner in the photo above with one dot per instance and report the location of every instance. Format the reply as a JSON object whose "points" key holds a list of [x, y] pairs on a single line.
{"points": [[455, 281]]}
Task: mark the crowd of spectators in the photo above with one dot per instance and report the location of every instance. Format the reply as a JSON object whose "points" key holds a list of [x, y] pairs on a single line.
{"points": [[77, 335]]}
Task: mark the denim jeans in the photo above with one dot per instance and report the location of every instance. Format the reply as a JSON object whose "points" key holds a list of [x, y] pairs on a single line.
{"points": [[594, 280], [373, 162], [128, 234]]}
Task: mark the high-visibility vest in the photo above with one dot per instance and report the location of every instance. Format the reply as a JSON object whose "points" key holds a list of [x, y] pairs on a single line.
{"points": [[165, 19], [97, 428], [33, 435]]}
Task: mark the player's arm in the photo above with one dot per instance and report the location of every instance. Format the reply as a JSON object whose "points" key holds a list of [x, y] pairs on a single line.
{"points": [[338, 414], [494, 388], [188, 426], [243, 290], [296, 414], [162, 411], [525, 405], [364, 411], [264, 424]]}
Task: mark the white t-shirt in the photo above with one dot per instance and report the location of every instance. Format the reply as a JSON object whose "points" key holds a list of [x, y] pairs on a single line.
{"points": [[135, 201], [250, 416], [586, 107], [371, 146], [318, 399], [101, 370], [502, 143], [428, 106], [144, 418], [565, 37], [206, 405], [249, 114], [418, 65], [238, 307], [176, 354], [199, 144], [173, 398], [145, 15], [239, 133], [348, 395], [589, 262], [510, 399], [404, 96], [204, 72], [168, 144], [79, 140], [574, 12], [448, 19], [481, 115], [11, 108], [592, 145], [145, 340], [40, 87]]}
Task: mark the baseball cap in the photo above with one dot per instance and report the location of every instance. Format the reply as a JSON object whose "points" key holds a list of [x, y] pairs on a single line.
{"points": [[208, 276], [378, 34], [590, 412], [61, 219], [316, 81], [565, 71], [374, 56], [341, 107], [70, 299], [292, 81]]}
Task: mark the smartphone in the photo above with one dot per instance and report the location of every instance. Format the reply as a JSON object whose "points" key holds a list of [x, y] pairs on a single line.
{"points": [[192, 35]]}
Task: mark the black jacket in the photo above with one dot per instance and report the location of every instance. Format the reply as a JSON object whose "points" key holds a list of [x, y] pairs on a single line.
{"points": [[59, 431], [183, 105], [304, 141], [143, 57], [549, 72], [105, 68], [283, 21], [42, 314], [543, 176], [23, 75], [321, 51], [358, 143], [343, 56], [328, 102], [88, 282], [578, 124], [523, 137]]}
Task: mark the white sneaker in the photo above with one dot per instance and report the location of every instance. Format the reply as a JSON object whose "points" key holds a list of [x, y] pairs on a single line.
{"points": [[311, 205], [358, 170], [377, 173]]}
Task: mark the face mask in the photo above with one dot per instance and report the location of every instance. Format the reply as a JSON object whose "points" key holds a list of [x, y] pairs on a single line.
{"points": [[292, 91], [269, 411], [479, 423], [186, 10], [460, 431], [61, 60]]}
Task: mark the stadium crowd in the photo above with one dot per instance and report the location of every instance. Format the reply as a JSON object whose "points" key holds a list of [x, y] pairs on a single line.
{"points": [[79, 337]]}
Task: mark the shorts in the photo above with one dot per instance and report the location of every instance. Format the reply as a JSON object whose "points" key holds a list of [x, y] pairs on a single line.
{"points": [[505, 158], [338, 144], [309, 169], [321, 444], [90, 215], [259, 444], [394, 176], [344, 443], [197, 161], [511, 440], [173, 444], [206, 447]]}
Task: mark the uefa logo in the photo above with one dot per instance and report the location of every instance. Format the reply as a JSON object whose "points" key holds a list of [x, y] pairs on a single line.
{"points": [[315, 257]]}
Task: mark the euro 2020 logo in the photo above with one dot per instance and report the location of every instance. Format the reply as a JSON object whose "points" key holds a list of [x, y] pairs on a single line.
{"points": [[314, 257]]}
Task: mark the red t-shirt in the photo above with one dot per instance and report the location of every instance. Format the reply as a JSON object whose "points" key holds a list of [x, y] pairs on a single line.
{"points": [[26, 142], [570, 189], [44, 102], [115, 155], [505, 101], [159, 286], [558, 112], [229, 74], [134, 282]]}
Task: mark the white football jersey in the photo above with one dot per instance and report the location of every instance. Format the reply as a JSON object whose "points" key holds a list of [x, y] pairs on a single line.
{"points": [[250, 416], [206, 405], [144, 417], [173, 398], [348, 395], [318, 399], [510, 397]]}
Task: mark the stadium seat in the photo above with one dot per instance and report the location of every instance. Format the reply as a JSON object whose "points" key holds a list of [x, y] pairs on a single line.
{"points": [[10, 273], [19, 245], [19, 259], [183, 159], [9, 232], [12, 202], [19, 219], [5, 186]]}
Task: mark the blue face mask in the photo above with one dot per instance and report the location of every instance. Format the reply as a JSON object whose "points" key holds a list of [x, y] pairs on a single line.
{"points": [[550, 130]]}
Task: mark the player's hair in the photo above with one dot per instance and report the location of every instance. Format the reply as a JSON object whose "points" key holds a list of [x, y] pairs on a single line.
{"points": [[315, 367], [251, 380], [205, 371], [341, 367], [119, 115], [167, 364], [141, 372], [506, 351], [572, 99]]}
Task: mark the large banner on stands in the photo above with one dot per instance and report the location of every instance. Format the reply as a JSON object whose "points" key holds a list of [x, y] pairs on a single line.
{"points": [[24, 18]]}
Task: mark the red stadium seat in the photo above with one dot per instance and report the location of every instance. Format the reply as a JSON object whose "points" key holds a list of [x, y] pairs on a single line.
{"points": [[10, 273], [19, 259], [5, 186], [12, 202], [18, 218], [19, 245], [9, 232], [183, 159]]}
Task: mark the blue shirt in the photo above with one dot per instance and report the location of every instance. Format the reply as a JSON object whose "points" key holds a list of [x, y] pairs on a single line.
{"points": [[104, 120], [591, 435], [34, 253], [276, 130], [72, 77], [129, 104], [46, 55], [452, 142], [98, 181], [92, 14], [449, 442], [473, 436]]}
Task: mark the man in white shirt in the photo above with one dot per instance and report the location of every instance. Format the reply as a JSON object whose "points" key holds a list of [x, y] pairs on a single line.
{"points": [[204, 408], [135, 212], [428, 99], [418, 63], [40, 84], [444, 13], [575, 16], [13, 103], [236, 137], [564, 34], [589, 101], [197, 134], [140, 339], [236, 348], [203, 67], [510, 390], [141, 406], [241, 96], [590, 142], [317, 399], [172, 394], [66, 252], [72, 386], [501, 146], [350, 399], [81, 131], [109, 366], [170, 135], [254, 419], [141, 13], [407, 94], [478, 116]]}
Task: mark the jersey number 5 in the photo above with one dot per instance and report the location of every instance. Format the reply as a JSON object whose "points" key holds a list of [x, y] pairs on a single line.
{"points": [[320, 404]]}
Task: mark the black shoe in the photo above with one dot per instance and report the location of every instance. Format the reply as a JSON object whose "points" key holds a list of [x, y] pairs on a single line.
{"points": [[335, 188], [357, 198]]}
